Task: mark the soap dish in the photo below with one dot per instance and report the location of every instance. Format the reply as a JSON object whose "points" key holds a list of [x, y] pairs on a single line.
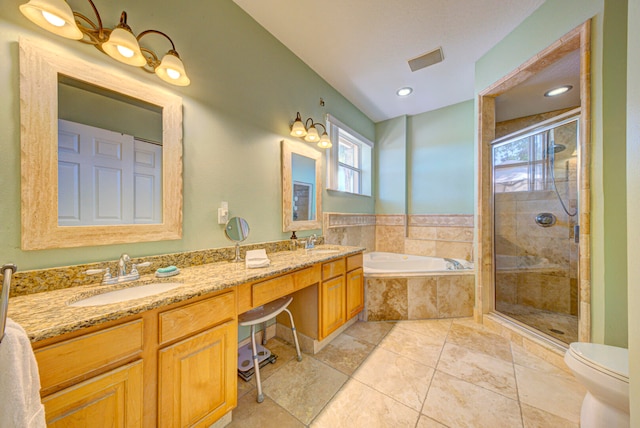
{"points": [[167, 274]]}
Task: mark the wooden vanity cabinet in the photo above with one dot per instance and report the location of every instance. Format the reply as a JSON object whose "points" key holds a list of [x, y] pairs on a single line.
{"points": [[98, 378], [197, 375], [173, 366], [341, 293], [355, 286]]}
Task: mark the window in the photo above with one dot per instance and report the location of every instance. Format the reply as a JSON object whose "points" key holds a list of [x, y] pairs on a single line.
{"points": [[349, 160]]}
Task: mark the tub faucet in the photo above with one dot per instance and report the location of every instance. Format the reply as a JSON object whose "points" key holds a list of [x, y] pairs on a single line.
{"points": [[456, 264]]}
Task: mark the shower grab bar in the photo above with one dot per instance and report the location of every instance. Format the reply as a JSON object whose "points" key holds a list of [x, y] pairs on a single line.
{"points": [[7, 270]]}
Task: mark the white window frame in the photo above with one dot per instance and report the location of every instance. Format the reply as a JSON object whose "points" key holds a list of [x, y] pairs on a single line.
{"points": [[365, 171]]}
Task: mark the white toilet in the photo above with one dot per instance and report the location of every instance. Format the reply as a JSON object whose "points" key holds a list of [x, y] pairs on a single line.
{"points": [[604, 371]]}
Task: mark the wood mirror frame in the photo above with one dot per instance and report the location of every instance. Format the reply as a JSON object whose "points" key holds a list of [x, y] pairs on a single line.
{"points": [[39, 69], [288, 225]]}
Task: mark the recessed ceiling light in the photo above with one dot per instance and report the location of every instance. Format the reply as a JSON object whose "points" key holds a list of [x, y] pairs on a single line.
{"points": [[558, 91], [403, 92]]}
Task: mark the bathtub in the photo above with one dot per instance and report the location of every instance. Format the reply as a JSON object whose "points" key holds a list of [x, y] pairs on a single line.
{"points": [[379, 264], [407, 287]]}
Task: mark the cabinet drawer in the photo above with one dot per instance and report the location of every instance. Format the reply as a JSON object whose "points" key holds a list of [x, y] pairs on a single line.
{"points": [[333, 269], [354, 262], [266, 291], [194, 317], [111, 399], [72, 358], [306, 277]]}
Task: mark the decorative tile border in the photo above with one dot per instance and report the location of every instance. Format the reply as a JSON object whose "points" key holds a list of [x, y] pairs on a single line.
{"points": [[332, 220], [442, 220], [390, 220]]}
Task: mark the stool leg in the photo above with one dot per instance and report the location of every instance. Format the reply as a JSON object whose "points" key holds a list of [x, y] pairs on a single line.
{"points": [[264, 333], [295, 335], [256, 364]]}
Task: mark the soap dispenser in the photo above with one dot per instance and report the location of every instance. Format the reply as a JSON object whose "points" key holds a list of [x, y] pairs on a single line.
{"points": [[293, 241]]}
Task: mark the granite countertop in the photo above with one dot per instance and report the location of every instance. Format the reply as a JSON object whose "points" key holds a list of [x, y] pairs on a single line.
{"points": [[45, 315]]}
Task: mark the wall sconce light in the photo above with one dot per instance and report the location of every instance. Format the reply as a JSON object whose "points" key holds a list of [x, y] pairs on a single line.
{"points": [[310, 132], [119, 43]]}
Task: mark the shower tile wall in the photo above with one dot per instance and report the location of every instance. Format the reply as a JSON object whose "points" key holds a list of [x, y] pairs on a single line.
{"points": [[539, 265]]}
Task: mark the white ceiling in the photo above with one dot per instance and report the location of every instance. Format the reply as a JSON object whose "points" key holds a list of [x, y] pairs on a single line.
{"points": [[361, 47]]}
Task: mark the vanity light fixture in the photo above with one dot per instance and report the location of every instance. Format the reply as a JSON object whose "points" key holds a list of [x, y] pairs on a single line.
{"points": [[558, 91], [309, 131], [120, 43]]}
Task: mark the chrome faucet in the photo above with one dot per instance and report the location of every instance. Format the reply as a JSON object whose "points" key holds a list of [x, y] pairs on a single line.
{"points": [[122, 275], [456, 264], [311, 242], [122, 264]]}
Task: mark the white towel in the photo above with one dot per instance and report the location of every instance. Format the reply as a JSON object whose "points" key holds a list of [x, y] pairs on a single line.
{"points": [[256, 259], [20, 404]]}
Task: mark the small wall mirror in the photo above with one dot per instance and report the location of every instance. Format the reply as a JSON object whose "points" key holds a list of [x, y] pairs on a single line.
{"points": [[52, 85], [237, 230], [301, 187]]}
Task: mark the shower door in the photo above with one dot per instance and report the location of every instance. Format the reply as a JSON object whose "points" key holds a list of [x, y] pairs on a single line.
{"points": [[535, 200]]}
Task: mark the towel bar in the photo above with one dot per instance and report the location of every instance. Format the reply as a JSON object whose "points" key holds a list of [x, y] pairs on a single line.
{"points": [[7, 270]]}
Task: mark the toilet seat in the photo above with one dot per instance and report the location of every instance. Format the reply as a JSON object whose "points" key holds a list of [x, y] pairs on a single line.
{"points": [[609, 360]]}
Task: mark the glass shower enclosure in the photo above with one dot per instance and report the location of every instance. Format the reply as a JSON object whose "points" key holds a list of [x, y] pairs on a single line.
{"points": [[536, 231]]}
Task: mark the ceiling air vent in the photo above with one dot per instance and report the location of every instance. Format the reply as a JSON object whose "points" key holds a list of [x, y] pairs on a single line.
{"points": [[425, 60]]}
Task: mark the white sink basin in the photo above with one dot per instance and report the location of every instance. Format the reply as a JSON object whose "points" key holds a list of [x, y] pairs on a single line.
{"points": [[323, 251], [125, 294]]}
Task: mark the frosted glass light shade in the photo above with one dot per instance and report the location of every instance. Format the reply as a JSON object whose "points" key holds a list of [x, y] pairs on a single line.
{"points": [[312, 135], [123, 46], [324, 142], [171, 70], [298, 129], [54, 16]]}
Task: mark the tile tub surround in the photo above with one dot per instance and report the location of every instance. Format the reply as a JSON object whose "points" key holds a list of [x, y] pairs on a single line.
{"points": [[436, 373], [42, 280], [436, 235], [442, 295], [45, 315], [350, 229]]}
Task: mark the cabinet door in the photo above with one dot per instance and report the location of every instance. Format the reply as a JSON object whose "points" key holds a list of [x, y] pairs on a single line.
{"points": [[355, 293], [113, 399], [198, 378], [333, 305]]}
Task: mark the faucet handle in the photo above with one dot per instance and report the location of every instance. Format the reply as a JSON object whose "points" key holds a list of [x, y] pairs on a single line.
{"points": [[107, 272], [134, 267]]}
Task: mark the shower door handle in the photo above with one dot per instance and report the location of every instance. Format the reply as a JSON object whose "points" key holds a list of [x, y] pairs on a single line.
{"points": [[576, 233]]}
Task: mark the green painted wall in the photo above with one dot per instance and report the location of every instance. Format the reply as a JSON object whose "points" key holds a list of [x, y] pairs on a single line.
{"points": [[246, 89], [552, 20], [614, 104], [391, 156], [440, 161], [633, 204]]}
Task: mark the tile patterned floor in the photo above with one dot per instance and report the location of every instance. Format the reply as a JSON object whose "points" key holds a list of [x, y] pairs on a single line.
{"points": [[419, 374]]}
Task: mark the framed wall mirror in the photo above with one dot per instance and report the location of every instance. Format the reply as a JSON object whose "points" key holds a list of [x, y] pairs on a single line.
{"points": [[301, 187], [131, 190]]}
